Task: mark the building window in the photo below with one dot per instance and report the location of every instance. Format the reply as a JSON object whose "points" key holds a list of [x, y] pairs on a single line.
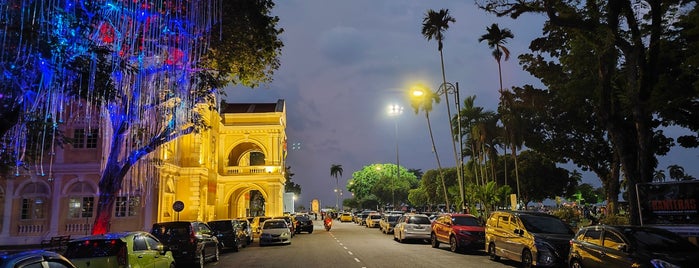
{"points": [[81, 207], [32, 209], [83, 138], [127, 206]]}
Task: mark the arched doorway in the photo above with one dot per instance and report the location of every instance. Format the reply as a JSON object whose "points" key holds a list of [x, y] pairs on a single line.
{"points": [[246, 202]]}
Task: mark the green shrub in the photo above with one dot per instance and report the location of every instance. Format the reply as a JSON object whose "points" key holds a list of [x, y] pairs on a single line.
{"points": [[615, 220]]}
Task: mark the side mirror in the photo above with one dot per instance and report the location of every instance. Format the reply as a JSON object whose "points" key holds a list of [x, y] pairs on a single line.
{"points": [[161, 249]]}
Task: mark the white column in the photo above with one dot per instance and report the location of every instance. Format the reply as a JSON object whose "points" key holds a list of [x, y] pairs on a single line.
{"points": [[9, 197]]}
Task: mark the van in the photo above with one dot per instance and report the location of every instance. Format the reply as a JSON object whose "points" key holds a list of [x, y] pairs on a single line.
{"points": [[532, 238]]}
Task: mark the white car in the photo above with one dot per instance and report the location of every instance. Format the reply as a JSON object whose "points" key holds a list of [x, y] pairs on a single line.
{"points": [[275, 231], [412, 226]]}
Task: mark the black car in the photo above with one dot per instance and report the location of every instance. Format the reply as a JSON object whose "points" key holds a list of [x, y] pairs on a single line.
{"points": [[304, 224], [230, 234], [189, 241], [630, 246]]}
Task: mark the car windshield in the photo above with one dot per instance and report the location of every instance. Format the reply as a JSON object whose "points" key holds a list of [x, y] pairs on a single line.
{"points": [[466, 221], [659, 240], [274, 224], [303, 218], [393, 218], [419, 220], [545, 224], [93, 248], [221, 225], [175, 230], [375, 216]]}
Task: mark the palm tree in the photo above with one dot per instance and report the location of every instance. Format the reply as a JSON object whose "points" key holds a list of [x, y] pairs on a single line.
{"points": [[336, 170], [513, 125], [496, 37], [424, 102], [434, 24]]}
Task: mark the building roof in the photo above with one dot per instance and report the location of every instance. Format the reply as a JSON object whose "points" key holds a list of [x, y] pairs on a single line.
{"points": [[252, 107]]}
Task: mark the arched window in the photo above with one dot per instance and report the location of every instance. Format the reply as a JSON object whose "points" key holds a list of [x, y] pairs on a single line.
{"points": [[81, 201], [34, 197]]}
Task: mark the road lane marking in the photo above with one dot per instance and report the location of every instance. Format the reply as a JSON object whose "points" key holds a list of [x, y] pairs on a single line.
{"points": [[357, 260], [350, 252]]}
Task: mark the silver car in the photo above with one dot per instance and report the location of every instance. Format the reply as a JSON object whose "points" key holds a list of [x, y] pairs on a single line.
{"points": [[275, 231], [412, 226]]}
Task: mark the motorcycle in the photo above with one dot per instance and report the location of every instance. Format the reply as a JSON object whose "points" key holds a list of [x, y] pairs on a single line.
{"points": [[327, 225]]}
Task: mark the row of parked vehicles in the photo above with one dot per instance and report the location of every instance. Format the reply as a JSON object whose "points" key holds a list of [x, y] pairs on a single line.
{"points": [[185, 243], [539, 239]]}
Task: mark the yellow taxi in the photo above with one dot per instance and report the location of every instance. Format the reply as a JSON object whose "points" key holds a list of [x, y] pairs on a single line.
{"points": [[346, 217]]}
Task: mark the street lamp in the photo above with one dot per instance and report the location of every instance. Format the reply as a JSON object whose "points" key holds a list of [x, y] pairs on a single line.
{"points": [[445, 89], [395, 110]]}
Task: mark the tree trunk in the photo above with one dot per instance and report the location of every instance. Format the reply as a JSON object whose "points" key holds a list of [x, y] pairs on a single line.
{"points": [[105, 206], [439, 164]]}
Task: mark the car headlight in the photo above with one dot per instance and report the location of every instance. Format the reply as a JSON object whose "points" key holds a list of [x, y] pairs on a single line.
{"points": [[286, 233], [658, 263], [546, 253]]}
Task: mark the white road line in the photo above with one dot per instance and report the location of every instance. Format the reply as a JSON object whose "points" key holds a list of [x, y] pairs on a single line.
{"points": [[350, 252], [357, 260]]}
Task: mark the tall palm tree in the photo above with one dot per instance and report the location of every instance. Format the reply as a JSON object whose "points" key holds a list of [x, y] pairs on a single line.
{"points": [[434, 24], [424, 103], [336, 170], [513, 126], [496, 39]]}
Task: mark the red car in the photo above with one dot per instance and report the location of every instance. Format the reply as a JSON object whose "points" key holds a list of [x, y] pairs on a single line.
{"points": [[461, 231]]}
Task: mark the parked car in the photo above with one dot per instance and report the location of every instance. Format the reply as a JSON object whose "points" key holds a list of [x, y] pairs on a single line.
{"points": [[34, 258], [346, 217], [373, 220], [303, 224], [461, 231], [630, 246], [361, 218], [387, 222], [230, 234], [532, 238], [245, 225], [189, 241], [291, 222], [412, 226], [127, 249], [275, 231], [256, 224]]}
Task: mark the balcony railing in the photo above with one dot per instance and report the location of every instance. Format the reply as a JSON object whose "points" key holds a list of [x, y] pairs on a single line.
{"points": [[252, 170]]}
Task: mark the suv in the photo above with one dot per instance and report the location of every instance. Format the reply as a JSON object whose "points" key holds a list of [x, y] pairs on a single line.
{"points": [[532, 238], [303, 224], [461, 231], [189, 241], [129, 249], [230, 234], [412, 226]]}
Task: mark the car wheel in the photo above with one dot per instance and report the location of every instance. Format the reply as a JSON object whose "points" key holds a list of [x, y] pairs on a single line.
{"points": [[526, 259], [434, 241], [491, 252], [575, 263], [453, 245], [237, 246], [310, 232], [216, 253]]}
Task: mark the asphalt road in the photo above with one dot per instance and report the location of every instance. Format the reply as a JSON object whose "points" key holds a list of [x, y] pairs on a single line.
{"points": [[353, 246]]}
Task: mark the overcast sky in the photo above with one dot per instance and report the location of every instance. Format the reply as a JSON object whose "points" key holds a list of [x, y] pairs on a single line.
{"points": [[344, 62]]}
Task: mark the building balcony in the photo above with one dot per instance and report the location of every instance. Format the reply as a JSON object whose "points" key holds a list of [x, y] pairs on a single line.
{"points": [[252, 170]]}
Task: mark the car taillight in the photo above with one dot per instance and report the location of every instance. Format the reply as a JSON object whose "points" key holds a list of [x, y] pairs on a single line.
{"points": [[192, 236], [121, 256]]}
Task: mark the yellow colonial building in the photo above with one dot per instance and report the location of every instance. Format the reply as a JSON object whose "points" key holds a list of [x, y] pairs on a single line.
{"points": [[233, 169]]}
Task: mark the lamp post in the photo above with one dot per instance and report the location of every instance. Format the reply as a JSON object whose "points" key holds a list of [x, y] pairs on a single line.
{"points": [[395, 110], [445, 89]]}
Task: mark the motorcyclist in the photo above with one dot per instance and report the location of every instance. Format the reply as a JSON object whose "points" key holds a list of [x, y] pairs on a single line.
{"points": [[328, 220]]}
